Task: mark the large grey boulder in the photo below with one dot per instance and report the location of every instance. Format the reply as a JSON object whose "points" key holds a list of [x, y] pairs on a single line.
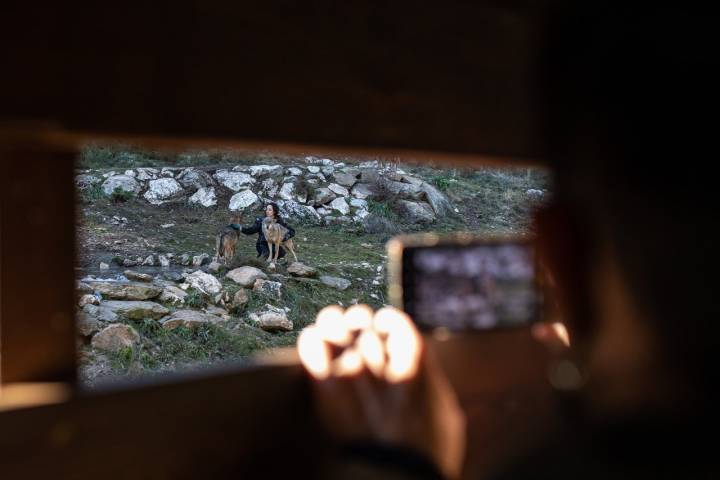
{"points": [[123, 182], [335, 282], [416, 212], [287, 191], [203, 282], [323, 196], [362, 191], [115, 337], [136, 310], [294, 171], [101, 313], [205, 196], [340, 205], [127, 291], [439, 202], [338, 190], [145, 174], [402, 189], [87, 326], [243, 200], [246, 276], [161, 190], [345, 179], [376, 224], [260, 170], [234, 181], [137, 276], [188, 319]]}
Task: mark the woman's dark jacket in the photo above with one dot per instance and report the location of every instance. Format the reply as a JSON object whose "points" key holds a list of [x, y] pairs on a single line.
{"points": [[261, 245]]}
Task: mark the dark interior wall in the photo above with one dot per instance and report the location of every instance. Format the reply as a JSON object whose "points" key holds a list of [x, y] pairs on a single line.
{"points": [[453, 77]]}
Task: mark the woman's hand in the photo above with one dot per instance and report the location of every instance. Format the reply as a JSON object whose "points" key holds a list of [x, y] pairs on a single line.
{"points": [[375, 379]]}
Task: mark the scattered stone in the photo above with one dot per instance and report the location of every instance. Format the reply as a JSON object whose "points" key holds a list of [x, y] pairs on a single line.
{"points": [[200, 260], [163, 260], [534, 193], [139, 277], [214, 267], [269, 288], [129, 262], [294, 171], [188, 319], [335, 282], [361, 214], [313, 169], [173, 276], [222, 298], [167, 225], [88, 299], [218, 312], [87, 326], [104, 266], [115, 337], [204, 196], [204, 282], [185, 259], [246, 276], [376, 224], [127, 291], [298, 269], [174, 295], [272, 319], [328, 170], [149, 261], [345, 179], [136, 310]]}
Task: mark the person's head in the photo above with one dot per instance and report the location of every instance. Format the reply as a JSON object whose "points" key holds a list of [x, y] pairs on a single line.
{"points": [[272, 210], [631, 234]]}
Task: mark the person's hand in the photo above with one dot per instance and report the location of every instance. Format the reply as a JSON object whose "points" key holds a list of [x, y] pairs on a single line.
{"points": [[375, 379]]}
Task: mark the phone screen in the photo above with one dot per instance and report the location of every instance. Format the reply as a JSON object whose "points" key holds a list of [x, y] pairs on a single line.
{"points": [[471, 287]]}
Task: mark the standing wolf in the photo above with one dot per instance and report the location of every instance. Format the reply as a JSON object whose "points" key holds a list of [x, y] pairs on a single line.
{"points": [[275, 236], [226, 242]]}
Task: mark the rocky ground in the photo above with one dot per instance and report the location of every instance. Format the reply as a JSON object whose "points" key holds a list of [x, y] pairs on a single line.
{"points": [[150, 298]]}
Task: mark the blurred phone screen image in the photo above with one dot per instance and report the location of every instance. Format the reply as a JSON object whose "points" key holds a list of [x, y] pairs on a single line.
{"points": [[473, 287]]}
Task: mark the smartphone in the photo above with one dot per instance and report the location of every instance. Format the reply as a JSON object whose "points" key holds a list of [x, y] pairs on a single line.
{"points": [[465, 282]]}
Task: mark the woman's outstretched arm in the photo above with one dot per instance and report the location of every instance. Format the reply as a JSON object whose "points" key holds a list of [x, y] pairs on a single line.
{"points": [[255, 228]]}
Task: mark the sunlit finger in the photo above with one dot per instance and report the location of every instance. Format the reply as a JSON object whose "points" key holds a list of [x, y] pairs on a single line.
{"points": [[358, 317], [332, 325], [402, 345], [372, 352], [314, 353], [561, 333]]}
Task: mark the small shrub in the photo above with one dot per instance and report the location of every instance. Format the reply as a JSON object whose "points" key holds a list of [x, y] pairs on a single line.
{"points": [[92, 193], [120, 196]]}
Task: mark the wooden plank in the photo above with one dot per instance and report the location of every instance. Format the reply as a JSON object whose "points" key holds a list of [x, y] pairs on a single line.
{"points": [[37, 251], [452, 77]]}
